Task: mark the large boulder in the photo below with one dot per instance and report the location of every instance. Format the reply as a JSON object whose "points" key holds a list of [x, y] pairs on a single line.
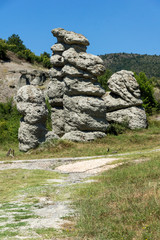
{"points": [[123, 103], [134, 117]]}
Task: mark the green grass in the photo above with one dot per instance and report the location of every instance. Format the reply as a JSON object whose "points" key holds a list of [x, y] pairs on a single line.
{"points": [[18, 217], [8, 233], [123, 204], [129, 141], [17, 182]]}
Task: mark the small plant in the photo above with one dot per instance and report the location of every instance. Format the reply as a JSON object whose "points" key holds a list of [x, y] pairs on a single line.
{"points": [[117, 128]]}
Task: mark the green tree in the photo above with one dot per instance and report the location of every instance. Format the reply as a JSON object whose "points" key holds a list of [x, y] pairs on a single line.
{"points": [[147, 92], [3, 48], [15, 40], [104, 79]]}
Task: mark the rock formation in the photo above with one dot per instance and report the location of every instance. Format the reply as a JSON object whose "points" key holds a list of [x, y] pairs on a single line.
{"points": [[81, 110], [124, 102], [78, 111], [35, 77], [31, 104]]}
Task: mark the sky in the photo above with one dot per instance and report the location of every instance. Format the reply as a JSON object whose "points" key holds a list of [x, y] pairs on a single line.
{"points": [[111, 26]]}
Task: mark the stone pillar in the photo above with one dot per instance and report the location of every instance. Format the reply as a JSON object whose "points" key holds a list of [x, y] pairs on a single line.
{"points": [[74, 93], [31, 104]]}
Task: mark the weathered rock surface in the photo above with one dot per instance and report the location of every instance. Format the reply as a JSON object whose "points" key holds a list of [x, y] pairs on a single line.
{"points": [[31, 104], [84, 61], [135, 117], [123, 103], [78, 136], [57, 116], [77, 106], [125, 85], [34, 77], [69, 37], [81, 86]]}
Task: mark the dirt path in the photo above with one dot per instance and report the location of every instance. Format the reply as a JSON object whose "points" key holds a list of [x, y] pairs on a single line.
{"points": [[51, 214]]}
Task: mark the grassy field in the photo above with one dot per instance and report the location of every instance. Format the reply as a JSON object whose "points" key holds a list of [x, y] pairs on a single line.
{"points": [[129, 141], [123, 203]]}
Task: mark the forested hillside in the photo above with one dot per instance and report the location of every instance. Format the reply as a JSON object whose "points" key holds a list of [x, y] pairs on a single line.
{"points": [[150, 64]]}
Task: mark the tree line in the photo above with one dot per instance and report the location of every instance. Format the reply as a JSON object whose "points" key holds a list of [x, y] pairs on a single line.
{"points": [[16, 45]]}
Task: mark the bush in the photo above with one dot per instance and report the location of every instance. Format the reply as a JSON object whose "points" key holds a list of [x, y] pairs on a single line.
{"points": [[103, 80], [147, 92], [117, 128], [3, 48], [9, 122]]}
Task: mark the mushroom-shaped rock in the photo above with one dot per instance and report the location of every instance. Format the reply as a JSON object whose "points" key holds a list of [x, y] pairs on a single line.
{"points": [[31, 104]]}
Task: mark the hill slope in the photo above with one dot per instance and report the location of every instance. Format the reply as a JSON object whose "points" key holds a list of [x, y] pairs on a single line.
{"points": [[9, 74], [150, 64]]}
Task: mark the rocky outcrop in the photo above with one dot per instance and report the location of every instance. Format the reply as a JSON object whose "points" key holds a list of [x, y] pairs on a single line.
{"points": [[78, 111], [35, 77], [31, 104], [123, 103]]}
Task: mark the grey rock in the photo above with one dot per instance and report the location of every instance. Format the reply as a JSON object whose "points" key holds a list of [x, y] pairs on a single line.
{"points": [[77, 105], [84, 114], [83, 122], [135, 117], [30, 94], [71, 71], [32, 112], [30, 136], [78, 48], [125, 85], [56, 102], [57, 117], [56, 73], [84, 61], [114, 102], [93, 106], [51, 136], [124, 102], [81, 86], [23, 80], [57, 60], [70, 37], [78, 136], [31, 104], [56, 89], [58, 47], [55, 92]]}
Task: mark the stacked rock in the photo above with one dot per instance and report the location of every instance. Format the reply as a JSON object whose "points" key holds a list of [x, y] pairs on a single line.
{"points": [[56, 89], [78, 110], [31, 104], [124, 104]]}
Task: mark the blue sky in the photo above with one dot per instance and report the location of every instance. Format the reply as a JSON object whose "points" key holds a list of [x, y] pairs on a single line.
{"points": [[111, 26]]}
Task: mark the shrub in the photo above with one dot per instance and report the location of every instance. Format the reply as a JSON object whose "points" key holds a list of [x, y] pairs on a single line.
{"points": [[3, 48], [147, 92], [9, 122], [117, 128], [104, 79]]}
